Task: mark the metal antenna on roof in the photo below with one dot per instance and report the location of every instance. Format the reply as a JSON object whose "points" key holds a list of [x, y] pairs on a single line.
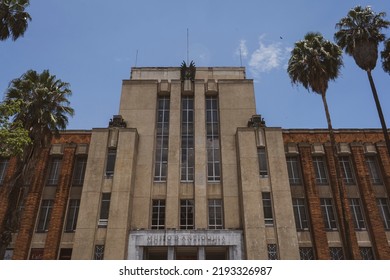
{"points": [[136, 58], [188, 48], [240, 56]]}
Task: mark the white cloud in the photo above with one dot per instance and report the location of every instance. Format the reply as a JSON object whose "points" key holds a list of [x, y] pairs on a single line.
{"points": [[267, 57]]}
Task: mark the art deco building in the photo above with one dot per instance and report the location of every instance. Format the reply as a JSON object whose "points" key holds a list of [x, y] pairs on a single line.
{"points": [[187, 170]]}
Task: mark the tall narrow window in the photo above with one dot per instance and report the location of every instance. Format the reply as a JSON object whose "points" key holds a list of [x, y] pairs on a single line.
{"points": [[99, 252], [187, 214], [104, 209], [212, 139], [162, 137], [346, 169], [306, 253], [373, 167], [320, 170], [384, 210], [73, 212], [215, 214], [294, 174], [336, 253], [187, 139], [272, 251], [44, 215], [158, 214], [267, 207], [262, 156], [300, 215], [79, 171], [328, 214], [357, 213], [366, 253], [110, 164], [3, 169], [54, 171]]}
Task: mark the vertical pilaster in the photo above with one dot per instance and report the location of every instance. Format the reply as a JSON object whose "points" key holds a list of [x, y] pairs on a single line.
{"points": [[384, 161]]}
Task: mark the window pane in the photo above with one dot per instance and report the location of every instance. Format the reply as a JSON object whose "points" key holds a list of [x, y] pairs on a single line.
{"points": [[384, 210], [212, 139], [374, 170], [111, 158], [44, 215], [54, 171], [267, 207], [328, 214], [186, 214], [158, 214], [73, 212], [357, 213], [320, 170], [162, 139], [346, 169], [79, 171], [293, 169], [263, 169], [299, 207], [215, 214], [104, 209]]}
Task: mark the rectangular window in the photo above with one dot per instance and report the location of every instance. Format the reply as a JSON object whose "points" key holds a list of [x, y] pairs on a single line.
{"points": [[262, 156], [158, 214], [73, 212], [36, 254], [357, 213], [65, 254], [294, 174], [212, 140], [187, 214], [187, 139], [320, 170], [384, 210], [366, 253], [3, 169], [328, 214], [79, 171], [215, 214], [267, 207], [336, 253], [99, 252], [347, 171], [104, 209], [272, 251], [306, 253], [373, 168], [110, 164], [300, 215], [54, 171], [44, 215], [162, 137]]}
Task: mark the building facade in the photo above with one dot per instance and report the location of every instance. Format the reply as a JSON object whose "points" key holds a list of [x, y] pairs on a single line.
{"points": [[187, 170]]}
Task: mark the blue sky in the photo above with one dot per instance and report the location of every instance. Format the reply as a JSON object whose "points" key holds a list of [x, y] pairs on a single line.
{"points": [[92, 44]]}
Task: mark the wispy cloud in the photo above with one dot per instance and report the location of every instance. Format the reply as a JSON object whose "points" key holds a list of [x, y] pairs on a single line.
{"points": [[267, 57], [242, 49]]}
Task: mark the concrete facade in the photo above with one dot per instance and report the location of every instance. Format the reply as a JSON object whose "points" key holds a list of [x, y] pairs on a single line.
{"points": [[251, 191]]}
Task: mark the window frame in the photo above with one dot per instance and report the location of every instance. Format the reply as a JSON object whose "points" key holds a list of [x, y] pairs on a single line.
{"points": [[321, 170], [358, 218], [374, 170], [72, 215], [328, 214], [384, 210], [162, 139], [263, 163], [347, 170], [79, 169], [187, 214], [272, 250], [53, 176], [110, 162], [267, 209], [104, 213], [99, 252], [306, 253], [215, 214], [294, 170], [187, 159], [336, 253], [158, 214], [300, 214], [45, 211], [212, 139]]}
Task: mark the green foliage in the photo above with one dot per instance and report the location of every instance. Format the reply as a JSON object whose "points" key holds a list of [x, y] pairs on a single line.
{"points": [[314, 62], [13, 18], [385, 54], [13, 137]]}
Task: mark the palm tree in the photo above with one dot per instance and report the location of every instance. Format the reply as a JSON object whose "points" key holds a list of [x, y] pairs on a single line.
{"points": [[385, 54], [359, 34], [313, 63], [13, 18], [43, 112]]}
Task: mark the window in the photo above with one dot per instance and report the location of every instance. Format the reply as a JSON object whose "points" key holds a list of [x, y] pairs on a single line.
{"points": [[346, 170], [336, 253], [384, 210], [212, 140], [99, 252], [54, 171], [366, 253], [261, 154], [294, 174], [328, 214], [272, 251], [186, 214], [267, 207], [110, 164], [3, 169], [104, 210], [357, 213], [162, 137], [36, 254], [374, 170], [79, 171], [306, 253], [300, 214], [65, 254], [44, 215], [187, 139], [215, 214], [320, 170], [158, 214], [73, 212]]}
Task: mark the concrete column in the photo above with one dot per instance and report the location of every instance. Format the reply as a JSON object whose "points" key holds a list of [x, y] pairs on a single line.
{"points": [[201, 253]]}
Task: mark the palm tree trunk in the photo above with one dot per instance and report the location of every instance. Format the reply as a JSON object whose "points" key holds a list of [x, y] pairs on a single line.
{"points": [[379, 109], [344, 231]]}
